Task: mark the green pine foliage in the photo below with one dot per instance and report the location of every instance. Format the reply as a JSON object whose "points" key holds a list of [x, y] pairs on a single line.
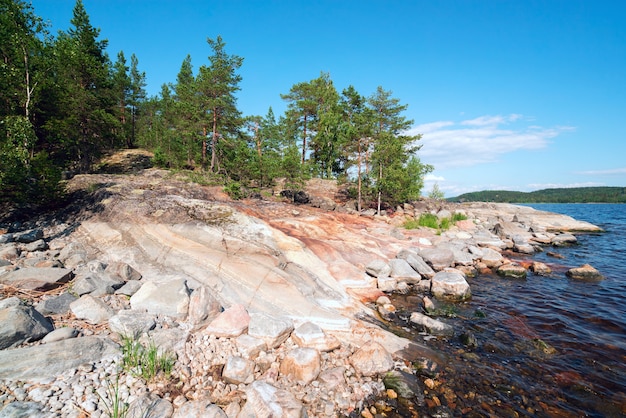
{"points": [[63, 103]]}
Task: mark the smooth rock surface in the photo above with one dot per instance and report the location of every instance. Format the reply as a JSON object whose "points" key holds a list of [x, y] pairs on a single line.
{"points": [[450, 285]]}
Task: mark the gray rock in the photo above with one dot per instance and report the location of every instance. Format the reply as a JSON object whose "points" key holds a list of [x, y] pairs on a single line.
{"points": [[199, 409], [45, 361], [487, 239], [29, 236], [170, 298], [39, 245], [60, 334], [57, 304], [438, 258], [129, 288], [20, 323], [73, 255], [271, 330], [562, 240], [265, 400], [378, 268], [450, 285], [150, 405], [23, 410], [387, 284], [131, 323], [417, 263], [250, 347], [431, 325], [123, 271], [238, 370], [9, 252], [96, 283], [91, 309], [403, 272], [406, 385], [203, 306], [33, 278], [491, 258], [6, 238]]}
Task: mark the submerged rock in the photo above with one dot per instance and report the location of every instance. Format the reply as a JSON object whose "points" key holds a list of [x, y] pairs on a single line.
{"points": [[512, 271]]}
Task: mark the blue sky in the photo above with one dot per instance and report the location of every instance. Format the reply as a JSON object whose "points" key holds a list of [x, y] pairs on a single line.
{"points": [[515, 95]]}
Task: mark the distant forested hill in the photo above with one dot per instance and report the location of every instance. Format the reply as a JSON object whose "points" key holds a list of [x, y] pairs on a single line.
{"points": [[565, 195]]}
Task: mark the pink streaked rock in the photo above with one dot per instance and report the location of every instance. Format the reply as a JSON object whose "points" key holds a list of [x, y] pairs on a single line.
{"points": [[231, 323]]}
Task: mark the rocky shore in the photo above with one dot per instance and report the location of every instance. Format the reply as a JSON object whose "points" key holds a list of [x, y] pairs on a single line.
{"points": [[258, 308]]}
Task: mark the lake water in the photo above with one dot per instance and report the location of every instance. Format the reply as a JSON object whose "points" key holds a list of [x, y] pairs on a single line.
{"points": [[547, 346]]}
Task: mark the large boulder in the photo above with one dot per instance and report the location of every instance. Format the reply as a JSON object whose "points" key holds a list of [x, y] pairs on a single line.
{"points": [[512, 271], [302, 365], [417, 263], [231, 323], [170, 298], [311, 335], [378, 268], [131, 323], [238, 370], [403, 272], [20, 323], [438, 258], [450, 285], [91, 309], [274, 331], [45, 361], [33, 278], [203, 306]]}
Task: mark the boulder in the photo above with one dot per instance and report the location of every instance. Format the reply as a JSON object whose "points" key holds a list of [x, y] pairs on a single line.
{"points": [[433, 326], [96, 284], [403, 272], [45, 361], [265, 400], [450, 285], [511, 271], [490, 257], [23, 410], [131, 323], [378, 268], [56, 305], [129, 288], [584, 273], [91, 309], [203, 306], [123, 271], [39, 245], [26, 237], [238, 370], [273, 331], [302, 365], [20, 323], [59, 334], [311, 335], [562, 240], [199, 409], [230, 323], [150, 405], [540, 269], [170, 298], [406, 385], [250, 347], [41, 279], [438, 258], [9, 253], [387, 284], [417, 263], [371, 359]]}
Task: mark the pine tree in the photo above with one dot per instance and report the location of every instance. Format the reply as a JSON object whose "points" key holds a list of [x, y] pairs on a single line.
{"points": [[217, 84], [137, 94]]}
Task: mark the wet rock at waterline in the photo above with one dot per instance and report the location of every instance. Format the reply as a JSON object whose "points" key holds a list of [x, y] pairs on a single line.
{"points": [[585, 273], [512, 271]]}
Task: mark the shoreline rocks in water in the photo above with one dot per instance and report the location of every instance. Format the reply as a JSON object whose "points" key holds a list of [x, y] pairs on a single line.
{"points": [[262, 309]]}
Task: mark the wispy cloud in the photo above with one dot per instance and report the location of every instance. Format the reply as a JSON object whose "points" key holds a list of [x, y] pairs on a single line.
{"points": [[609, 172], [481, 140]]}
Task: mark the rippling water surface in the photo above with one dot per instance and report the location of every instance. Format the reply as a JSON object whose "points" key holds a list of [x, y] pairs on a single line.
{"points": [[547, 346]]}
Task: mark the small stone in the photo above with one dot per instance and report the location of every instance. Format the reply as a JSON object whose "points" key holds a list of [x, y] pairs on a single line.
{"points": [[585, 273]]}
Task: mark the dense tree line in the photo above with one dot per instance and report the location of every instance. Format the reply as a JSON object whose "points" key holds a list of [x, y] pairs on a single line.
{"points": [[558, 195], [63, 102]]}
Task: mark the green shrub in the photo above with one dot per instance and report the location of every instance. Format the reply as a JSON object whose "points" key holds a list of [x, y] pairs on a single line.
{"points": [[233, 189], [458, 217], [411, 224], [445, 224], [429, 220]]}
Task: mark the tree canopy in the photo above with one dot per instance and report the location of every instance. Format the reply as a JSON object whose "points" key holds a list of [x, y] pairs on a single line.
{"points": [[63, 102]]}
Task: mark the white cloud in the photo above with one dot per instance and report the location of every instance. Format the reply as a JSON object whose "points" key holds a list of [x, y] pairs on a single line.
{"points": [[432, 178], [481, 140], [609, 172], [541, 186]]}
